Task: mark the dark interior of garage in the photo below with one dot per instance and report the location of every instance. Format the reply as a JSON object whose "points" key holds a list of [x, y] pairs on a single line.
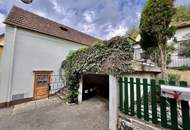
{"points": [[95, 85]]}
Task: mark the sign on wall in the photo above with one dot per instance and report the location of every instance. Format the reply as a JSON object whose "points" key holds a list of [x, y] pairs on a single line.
{"points": [[175, 92]]}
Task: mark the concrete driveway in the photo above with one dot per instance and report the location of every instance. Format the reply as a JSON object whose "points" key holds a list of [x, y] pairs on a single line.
{"points": [[53, 114]]}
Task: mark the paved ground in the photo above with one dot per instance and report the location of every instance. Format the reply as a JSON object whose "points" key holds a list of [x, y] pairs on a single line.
{"points": [[53, 114]]}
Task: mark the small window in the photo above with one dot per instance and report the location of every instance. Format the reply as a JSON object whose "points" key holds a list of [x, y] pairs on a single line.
{"points": [[63, 28], [42, 81]]}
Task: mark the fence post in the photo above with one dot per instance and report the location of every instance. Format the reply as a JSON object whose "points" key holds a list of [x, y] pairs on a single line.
{"points": [[173, 109], [113, 102], [163, 108], [132, 96], [138, 88], [145, 95], [154, 101], [121, 94], [126, 96], [185, 110]]}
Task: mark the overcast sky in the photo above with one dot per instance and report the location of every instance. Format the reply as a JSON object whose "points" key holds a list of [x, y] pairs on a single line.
{"points": [[100, 18]]}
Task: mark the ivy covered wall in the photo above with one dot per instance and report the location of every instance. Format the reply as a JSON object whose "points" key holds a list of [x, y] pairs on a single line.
{"points": [[112, 57]]}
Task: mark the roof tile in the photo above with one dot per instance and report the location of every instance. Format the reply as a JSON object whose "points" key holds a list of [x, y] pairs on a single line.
{"points": [[27, 20]]}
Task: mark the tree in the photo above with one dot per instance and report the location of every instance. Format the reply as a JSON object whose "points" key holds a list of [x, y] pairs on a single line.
{"points": [[155, 28]]}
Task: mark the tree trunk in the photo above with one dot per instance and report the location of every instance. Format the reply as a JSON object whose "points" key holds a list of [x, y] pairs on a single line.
{"points": [[165, 62], [163, 58]]}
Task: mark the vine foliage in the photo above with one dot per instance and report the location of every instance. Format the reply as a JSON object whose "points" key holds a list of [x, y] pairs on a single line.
{"points": [[112, 57]]}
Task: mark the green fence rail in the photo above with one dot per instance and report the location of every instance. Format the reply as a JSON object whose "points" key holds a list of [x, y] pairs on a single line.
{"points": [[141, 98]]}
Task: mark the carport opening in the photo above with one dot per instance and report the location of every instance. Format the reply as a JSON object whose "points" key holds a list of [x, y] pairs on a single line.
{"points": [[95, 85]]}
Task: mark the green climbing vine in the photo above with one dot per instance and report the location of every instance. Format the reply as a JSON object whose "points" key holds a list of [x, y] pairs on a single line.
{"points": [[112, 57]]}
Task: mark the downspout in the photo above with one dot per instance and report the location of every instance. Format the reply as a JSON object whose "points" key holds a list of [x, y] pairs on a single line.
{"points": [[10, 81]]}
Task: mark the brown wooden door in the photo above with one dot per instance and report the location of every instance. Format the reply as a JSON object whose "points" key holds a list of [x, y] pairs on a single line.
{"points": [[41, 84]]}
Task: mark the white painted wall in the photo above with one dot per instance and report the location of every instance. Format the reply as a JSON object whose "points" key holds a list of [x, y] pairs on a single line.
{"points": [[33, 51]]}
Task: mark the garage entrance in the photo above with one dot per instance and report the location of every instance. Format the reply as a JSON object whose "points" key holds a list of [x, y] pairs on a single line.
{"points": [[105, 86], [95, 85]]}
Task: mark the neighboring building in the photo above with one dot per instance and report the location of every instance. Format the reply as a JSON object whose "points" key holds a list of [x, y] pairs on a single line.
{"points": [[35, 48], [182, 34], [179, 65]]}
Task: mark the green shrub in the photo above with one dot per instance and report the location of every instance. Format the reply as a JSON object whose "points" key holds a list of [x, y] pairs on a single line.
{"points": [[173, 77]]}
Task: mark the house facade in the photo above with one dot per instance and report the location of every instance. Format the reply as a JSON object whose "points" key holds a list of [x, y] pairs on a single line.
{"points": [[35, 48]]}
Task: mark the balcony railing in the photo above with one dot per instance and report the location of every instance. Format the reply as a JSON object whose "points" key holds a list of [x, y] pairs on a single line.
{"points": [[179, 62]]}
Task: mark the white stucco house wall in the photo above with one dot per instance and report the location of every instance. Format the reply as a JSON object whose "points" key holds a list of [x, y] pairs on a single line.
{"points": [[34, 45]]}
